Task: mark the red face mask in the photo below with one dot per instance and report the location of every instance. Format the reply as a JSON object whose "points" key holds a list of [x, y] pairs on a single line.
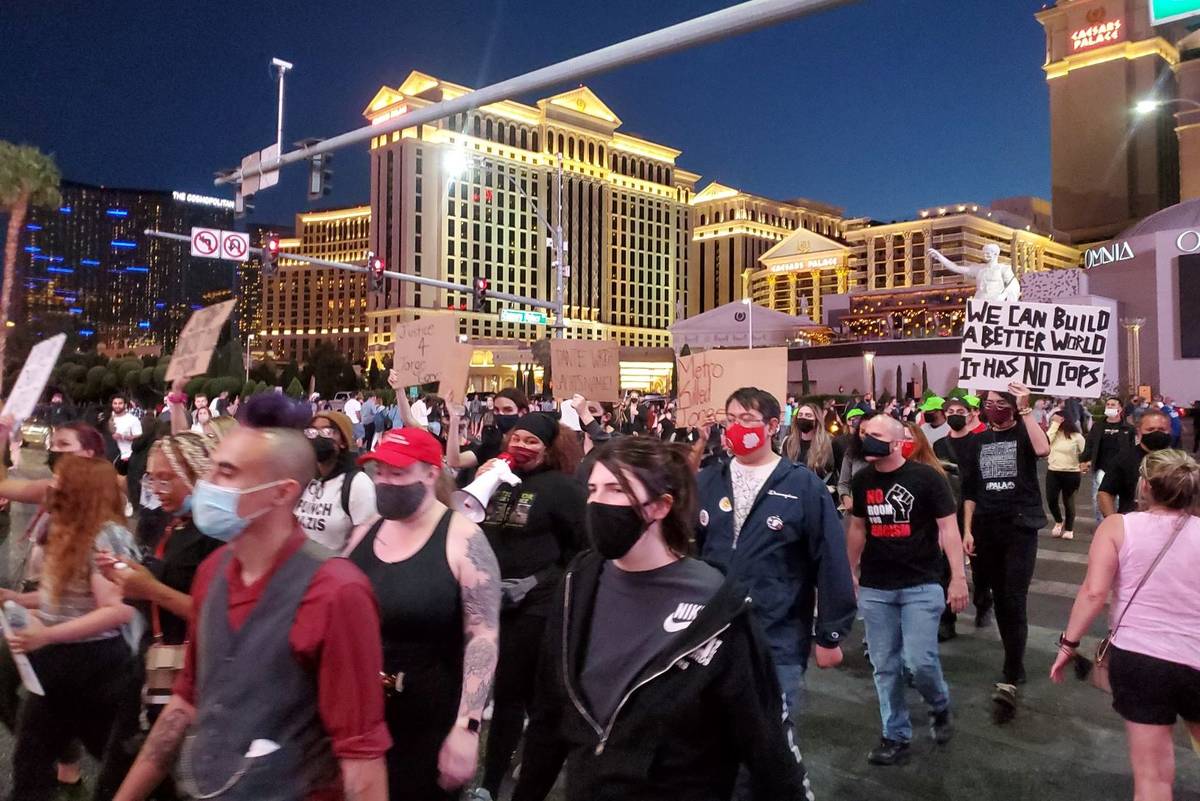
{"points": [[522, 456], [743, 440], [907, 447]]}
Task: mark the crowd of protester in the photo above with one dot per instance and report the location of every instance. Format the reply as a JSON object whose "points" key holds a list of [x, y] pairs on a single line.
{"points": [[273, 599]]}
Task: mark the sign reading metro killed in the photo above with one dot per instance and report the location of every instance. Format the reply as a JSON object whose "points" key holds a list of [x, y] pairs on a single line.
{"points": [[1052, 348]]}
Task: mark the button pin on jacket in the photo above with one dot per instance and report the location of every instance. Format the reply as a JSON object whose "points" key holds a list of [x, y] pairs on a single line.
{"points": [[725, 505], [774, 523], [704, 517]]}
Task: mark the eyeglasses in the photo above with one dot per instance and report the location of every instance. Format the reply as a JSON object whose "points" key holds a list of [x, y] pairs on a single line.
{"points": [[745, 419], [313, 433]]}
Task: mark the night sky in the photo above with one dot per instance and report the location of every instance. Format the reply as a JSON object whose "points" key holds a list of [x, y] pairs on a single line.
{"points": [[883, 107]]}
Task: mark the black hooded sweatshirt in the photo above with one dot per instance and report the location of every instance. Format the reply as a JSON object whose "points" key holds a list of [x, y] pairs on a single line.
{"points": [[706, 704]]}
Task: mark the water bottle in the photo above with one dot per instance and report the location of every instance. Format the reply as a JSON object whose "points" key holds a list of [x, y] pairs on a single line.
{"points": [[16, 619]]}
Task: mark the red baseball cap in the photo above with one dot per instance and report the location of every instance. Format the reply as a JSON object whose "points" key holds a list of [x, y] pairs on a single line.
{"points": [[401, 447]]}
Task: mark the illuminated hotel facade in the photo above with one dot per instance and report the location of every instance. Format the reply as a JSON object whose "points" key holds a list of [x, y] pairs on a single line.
{"points": [[863, 278], [304, 305], [732, 230], [626, 218]]}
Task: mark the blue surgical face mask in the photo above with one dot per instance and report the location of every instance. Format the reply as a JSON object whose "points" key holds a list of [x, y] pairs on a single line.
{"points": [[214, 509], [435, 428], [185, 508]]}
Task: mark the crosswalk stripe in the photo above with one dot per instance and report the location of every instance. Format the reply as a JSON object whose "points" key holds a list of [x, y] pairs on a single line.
{"points": [[1062, 556]]}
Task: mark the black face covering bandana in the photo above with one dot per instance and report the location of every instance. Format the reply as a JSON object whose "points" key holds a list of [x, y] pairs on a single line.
{"points": [[872, 446], [324, 448], [52, 459], [399, 501], [805, 425], [614, 530], [957, 422], [505, 422]]}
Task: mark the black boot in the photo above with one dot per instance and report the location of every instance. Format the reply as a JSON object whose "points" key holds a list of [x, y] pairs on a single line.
{"points": [[1004, 703], [889, 752], [941, 726]]}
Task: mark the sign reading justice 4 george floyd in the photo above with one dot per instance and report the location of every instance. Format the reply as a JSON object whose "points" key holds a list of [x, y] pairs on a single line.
{"points": [[1051, 348]]}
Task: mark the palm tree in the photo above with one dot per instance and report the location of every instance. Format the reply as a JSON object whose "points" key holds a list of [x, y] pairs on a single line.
{"points": [[27, 177]]}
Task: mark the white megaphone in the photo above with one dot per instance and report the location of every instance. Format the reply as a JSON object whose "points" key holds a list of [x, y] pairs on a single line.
{"points": [[471, 501]]}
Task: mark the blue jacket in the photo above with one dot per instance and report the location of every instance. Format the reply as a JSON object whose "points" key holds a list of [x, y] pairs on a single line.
{"points": [[790, 553]]}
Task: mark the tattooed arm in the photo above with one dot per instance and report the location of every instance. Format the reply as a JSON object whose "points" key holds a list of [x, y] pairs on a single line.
{"points": [[158, 754], [479, 583]]}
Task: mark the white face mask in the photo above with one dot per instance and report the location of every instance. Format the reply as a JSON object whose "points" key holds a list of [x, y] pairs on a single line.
{"points": [[1112, 414]]}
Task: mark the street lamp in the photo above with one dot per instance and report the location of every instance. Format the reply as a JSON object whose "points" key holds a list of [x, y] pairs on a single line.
{"points": [[1150, 105], [1133, 348]]}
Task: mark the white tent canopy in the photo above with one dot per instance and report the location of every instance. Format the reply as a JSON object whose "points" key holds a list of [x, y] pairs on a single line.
{"points": [[729, 326]]}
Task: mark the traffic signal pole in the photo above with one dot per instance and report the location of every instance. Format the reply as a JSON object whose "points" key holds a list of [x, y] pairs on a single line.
{"points": [[738, 19], [560, 253], [354, 268]]}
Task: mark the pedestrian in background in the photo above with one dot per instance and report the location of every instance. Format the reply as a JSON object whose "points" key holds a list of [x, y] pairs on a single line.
{"points": [[1105, 443], [1063, 471]]}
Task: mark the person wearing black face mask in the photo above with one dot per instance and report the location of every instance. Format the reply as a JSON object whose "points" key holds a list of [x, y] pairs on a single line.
{"points": [[438, 587], [340, 496], [1118, 490], [951, 450], [628, 611], [1002, 513], [508, 407]]}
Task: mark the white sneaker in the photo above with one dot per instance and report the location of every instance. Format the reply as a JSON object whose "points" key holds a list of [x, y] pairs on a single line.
{"points": [[1057, 530], [1068, 535], [479, 794]]}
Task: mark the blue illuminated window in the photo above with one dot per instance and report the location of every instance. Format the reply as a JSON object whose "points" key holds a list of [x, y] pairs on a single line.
{"points": [[37, 257], [75, 310], [123, 244], [59, 259], [90, 262], [160, 305], [65, 209], [117, 213], [86, 332], [60, 269], [33, 227], [31, 249], [137, 269], [196, 308], [144, 324]]}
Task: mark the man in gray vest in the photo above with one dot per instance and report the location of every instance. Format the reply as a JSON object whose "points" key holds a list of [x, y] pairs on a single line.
{"points": [[279, 698]]}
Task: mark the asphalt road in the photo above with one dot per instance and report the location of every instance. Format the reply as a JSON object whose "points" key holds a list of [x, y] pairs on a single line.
{"points": [[1066, 743]]}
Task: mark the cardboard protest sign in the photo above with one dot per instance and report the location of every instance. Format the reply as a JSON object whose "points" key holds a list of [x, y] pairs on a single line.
{"points": [[34, 375], [428, 351], [706, 380], [587, 367], [195, 346], [1052, 348]]}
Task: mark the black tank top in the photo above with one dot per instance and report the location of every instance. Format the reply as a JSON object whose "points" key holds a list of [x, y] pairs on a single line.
{"points": [[420, 610]]}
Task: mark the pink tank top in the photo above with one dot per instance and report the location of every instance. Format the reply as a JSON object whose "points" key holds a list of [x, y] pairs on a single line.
{"points": [[1164, 620]]}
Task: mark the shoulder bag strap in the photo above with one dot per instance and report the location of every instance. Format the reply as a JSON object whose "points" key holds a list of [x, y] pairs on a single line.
{"points": [[1183, 521]]}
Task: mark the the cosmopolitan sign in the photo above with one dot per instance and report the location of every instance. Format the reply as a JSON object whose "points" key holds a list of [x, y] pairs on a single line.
{"points": [[812, 263], [202, 200], [1188, 241], [1107, 254]]}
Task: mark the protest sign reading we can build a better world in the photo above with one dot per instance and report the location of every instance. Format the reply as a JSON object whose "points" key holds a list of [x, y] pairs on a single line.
{"points": [[1054, 349]]}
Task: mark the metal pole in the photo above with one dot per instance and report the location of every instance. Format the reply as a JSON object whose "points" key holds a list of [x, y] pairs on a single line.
{"points": [[354, 268], [559, 253], [750, 318], [731, 21], [279, 117]]}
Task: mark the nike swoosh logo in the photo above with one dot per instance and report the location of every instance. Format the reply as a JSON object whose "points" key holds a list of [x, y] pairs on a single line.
{"points": [[672, 624]]}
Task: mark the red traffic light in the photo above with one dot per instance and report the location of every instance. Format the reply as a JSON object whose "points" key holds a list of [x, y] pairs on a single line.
{"points": [[273, 245]]}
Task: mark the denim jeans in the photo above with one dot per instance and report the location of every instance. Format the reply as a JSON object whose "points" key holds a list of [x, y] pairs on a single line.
{"points": [[902, 628], [1098, 477]]}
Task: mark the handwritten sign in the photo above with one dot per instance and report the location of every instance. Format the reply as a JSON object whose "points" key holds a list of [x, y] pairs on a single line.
{"points": [[34, 375], [587, 367], [428, 351], [196, 342], [706, 380], [1052, 348]]}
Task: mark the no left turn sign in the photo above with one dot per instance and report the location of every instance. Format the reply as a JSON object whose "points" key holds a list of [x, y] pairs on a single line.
{"points": [[206, 243]]}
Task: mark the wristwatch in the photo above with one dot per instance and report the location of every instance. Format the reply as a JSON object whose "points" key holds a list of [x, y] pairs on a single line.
{"points": [[470, 724], [1064, 642]]}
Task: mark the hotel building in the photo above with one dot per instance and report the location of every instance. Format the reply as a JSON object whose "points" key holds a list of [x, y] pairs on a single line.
{"points": [[304, 305], [898, 290], [625, 215], [731, 232], [87, 266], [1109, 166]]}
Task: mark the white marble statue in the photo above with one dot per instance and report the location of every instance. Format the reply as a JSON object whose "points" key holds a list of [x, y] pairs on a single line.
{"points": [[993, 281]]}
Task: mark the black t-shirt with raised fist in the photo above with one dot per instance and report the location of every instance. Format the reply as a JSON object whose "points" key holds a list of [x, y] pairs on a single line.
{"points": [[901, 510]]}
